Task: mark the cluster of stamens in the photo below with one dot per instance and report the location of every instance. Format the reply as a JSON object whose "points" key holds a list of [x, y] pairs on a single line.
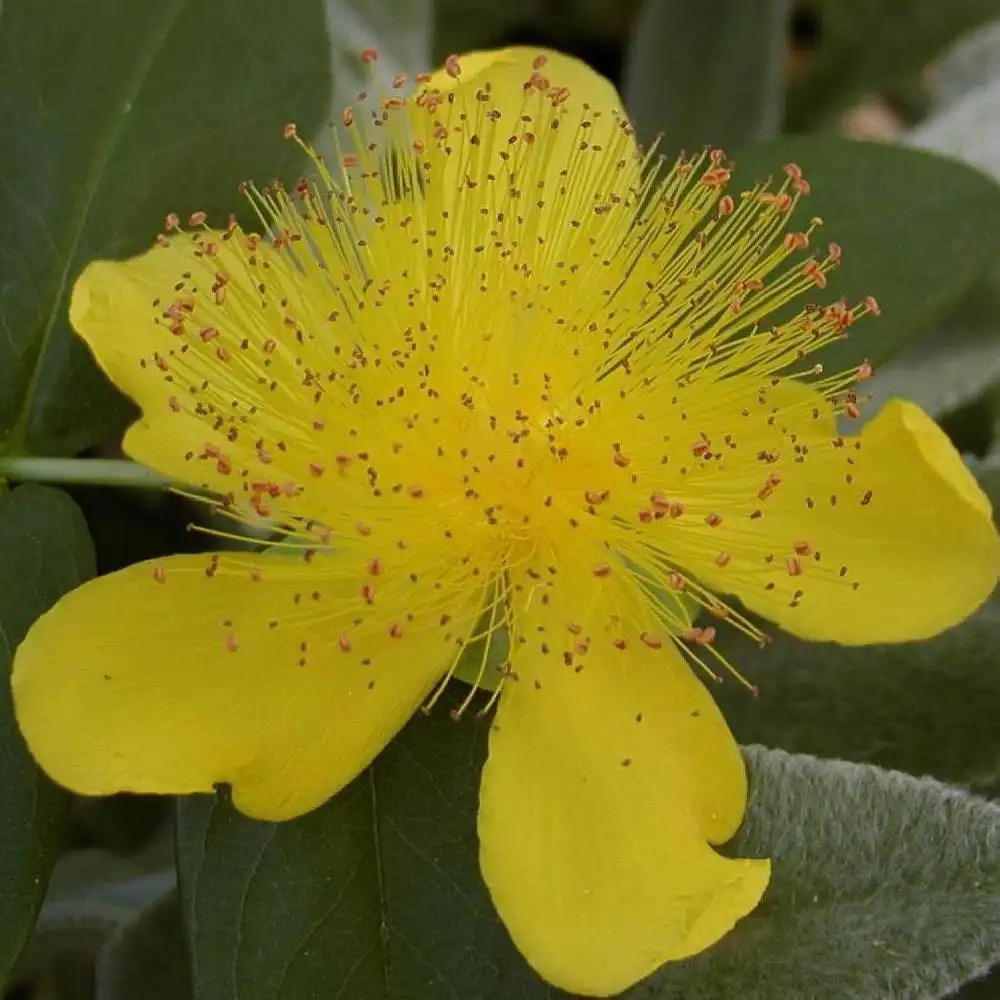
{"points": [[468, 363]]}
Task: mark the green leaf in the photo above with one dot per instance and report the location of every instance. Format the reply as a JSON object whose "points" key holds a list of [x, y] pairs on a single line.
{"points": [[116, 115], [862, 45], [374, 896], [465, 25], [924, 707], [46, 551], [956, 361], [916, 231], [706, 74], [884, 885]]}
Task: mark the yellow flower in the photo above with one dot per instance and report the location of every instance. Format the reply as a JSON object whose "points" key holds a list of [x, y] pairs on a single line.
{"points": [[497, 358]]}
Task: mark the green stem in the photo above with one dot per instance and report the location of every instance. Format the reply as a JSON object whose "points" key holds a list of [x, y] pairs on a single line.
{"points": [[90, 471]]}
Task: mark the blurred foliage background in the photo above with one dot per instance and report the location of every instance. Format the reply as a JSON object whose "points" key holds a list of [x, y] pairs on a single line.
{"points": [[119, 111]]}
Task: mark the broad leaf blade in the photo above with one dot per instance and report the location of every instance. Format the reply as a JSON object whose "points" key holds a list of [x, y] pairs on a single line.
{"points": [[377, 894], [923, 707], [706, 73], [916, 231], [46, 551], [288, 910], [117, 114], [884, 885], [956, 361]]}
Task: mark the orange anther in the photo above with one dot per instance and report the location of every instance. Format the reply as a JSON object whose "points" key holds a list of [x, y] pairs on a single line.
{"points": [[852, 410], [160, 574], [452, 67], [369, 55], [715, 178], [802, 548], [723, 559], [344, 642], [794, 566], [675, 581], [374, 567], [864, 371], [197, 219], [347, 117], [698, 636], [316, 470], [651, 639], [872, 305], [726, 205], [713, 520], [290, 131], [172, 221], [207, 333], [811, 269], [230, 641], [539, 61], [396, 630], [601, 569]]}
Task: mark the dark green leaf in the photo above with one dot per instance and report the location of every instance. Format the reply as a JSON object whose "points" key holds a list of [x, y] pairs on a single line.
{"points": [[375, 896], [927, 707], [116, 114], [916, 231], [465, 25], [884, 885], [706, 74], [858, 46], [955, 361], [46, 551]]}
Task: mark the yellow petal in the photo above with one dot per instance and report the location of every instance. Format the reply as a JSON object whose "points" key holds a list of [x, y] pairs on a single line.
{"points": [[496, 149], [607, 778], [205, 386], [590, 97], [284, 686], [882, 537]]}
